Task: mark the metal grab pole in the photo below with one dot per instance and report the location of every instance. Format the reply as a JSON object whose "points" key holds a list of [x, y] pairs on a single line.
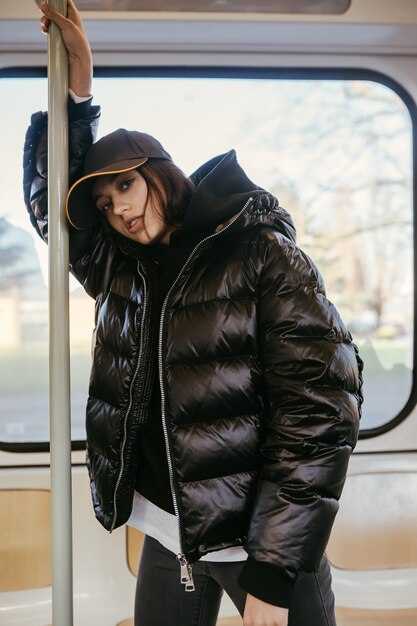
{"points": [[59, 370]]}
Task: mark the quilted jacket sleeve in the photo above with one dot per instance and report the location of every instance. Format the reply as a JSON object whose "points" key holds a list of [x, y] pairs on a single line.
{"points": [[90, 253], [313, 388]]}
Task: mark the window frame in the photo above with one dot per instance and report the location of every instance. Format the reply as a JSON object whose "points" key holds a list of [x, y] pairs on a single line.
{"points": [[259, 73]]}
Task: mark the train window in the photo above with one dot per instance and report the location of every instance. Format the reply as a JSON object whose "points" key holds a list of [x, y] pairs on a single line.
{"points": [[308, 7], [337, 153]]}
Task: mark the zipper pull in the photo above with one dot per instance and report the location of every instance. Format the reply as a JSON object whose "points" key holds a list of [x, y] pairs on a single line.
{"points": [[186, 575]]}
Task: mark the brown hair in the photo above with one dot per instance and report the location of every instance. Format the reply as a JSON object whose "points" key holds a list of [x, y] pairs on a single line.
{"points": [[169, 186]]}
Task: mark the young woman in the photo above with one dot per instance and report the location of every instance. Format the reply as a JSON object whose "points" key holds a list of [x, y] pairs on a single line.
{"points": [[225, 391]]}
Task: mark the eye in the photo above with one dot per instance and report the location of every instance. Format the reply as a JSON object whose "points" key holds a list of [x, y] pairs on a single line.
{"points": [[105, 206], [126, 183]]}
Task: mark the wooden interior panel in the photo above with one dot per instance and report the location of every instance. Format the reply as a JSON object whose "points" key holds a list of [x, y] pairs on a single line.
{"points": [[25, 539], [376, 527], [134, 543], [360, 617]]}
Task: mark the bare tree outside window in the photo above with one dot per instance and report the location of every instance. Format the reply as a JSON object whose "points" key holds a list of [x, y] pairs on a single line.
{"points": [[340, 160]]}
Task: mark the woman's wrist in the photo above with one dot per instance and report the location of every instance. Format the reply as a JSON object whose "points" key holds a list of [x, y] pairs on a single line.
{"points": [[258, 613], [80, 77]]}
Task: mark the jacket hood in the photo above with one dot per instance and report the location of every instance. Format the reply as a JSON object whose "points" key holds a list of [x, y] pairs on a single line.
{"points": [[222, 189]]}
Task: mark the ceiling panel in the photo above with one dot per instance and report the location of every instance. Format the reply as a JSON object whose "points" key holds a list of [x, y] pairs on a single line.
{"points": [[316, 7]]}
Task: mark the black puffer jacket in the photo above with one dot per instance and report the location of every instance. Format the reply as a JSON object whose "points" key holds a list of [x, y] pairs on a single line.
{"points": [[261, 384]]}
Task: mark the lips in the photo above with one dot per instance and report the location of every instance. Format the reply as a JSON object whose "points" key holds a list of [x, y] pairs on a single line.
{"points": [[133, 224]]}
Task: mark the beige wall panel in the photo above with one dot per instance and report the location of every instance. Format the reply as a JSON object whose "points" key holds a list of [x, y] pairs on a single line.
{"points": [[25, 539], [134, 543], [355, 617], [376, 527]]}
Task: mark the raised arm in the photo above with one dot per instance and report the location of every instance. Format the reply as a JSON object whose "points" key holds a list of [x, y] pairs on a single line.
{"points": [[89, 249], [83, 119], [80, 63]]}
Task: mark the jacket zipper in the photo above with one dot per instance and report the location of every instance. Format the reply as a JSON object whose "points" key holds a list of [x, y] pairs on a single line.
{"points": [[138, 363], [186, 576]]}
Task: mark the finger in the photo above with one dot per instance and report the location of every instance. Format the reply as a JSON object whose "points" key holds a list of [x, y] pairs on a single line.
{"points": [[55, 16], [74, 14], [45, 24]]}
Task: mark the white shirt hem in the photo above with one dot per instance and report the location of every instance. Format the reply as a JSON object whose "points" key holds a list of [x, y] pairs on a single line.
{"points": [[163, 526]]}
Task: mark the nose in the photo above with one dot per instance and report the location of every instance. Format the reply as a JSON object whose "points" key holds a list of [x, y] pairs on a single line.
{"points": [[120, 205]]}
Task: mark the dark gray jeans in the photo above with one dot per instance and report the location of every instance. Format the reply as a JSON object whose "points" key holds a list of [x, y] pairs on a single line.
{"points": [[161, 599]]}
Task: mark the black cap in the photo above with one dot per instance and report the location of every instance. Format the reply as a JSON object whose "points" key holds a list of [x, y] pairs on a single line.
{"points": [[120, 151]]}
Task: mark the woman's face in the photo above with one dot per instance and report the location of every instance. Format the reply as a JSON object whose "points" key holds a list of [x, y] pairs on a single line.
{"points": [[129, 208]]}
